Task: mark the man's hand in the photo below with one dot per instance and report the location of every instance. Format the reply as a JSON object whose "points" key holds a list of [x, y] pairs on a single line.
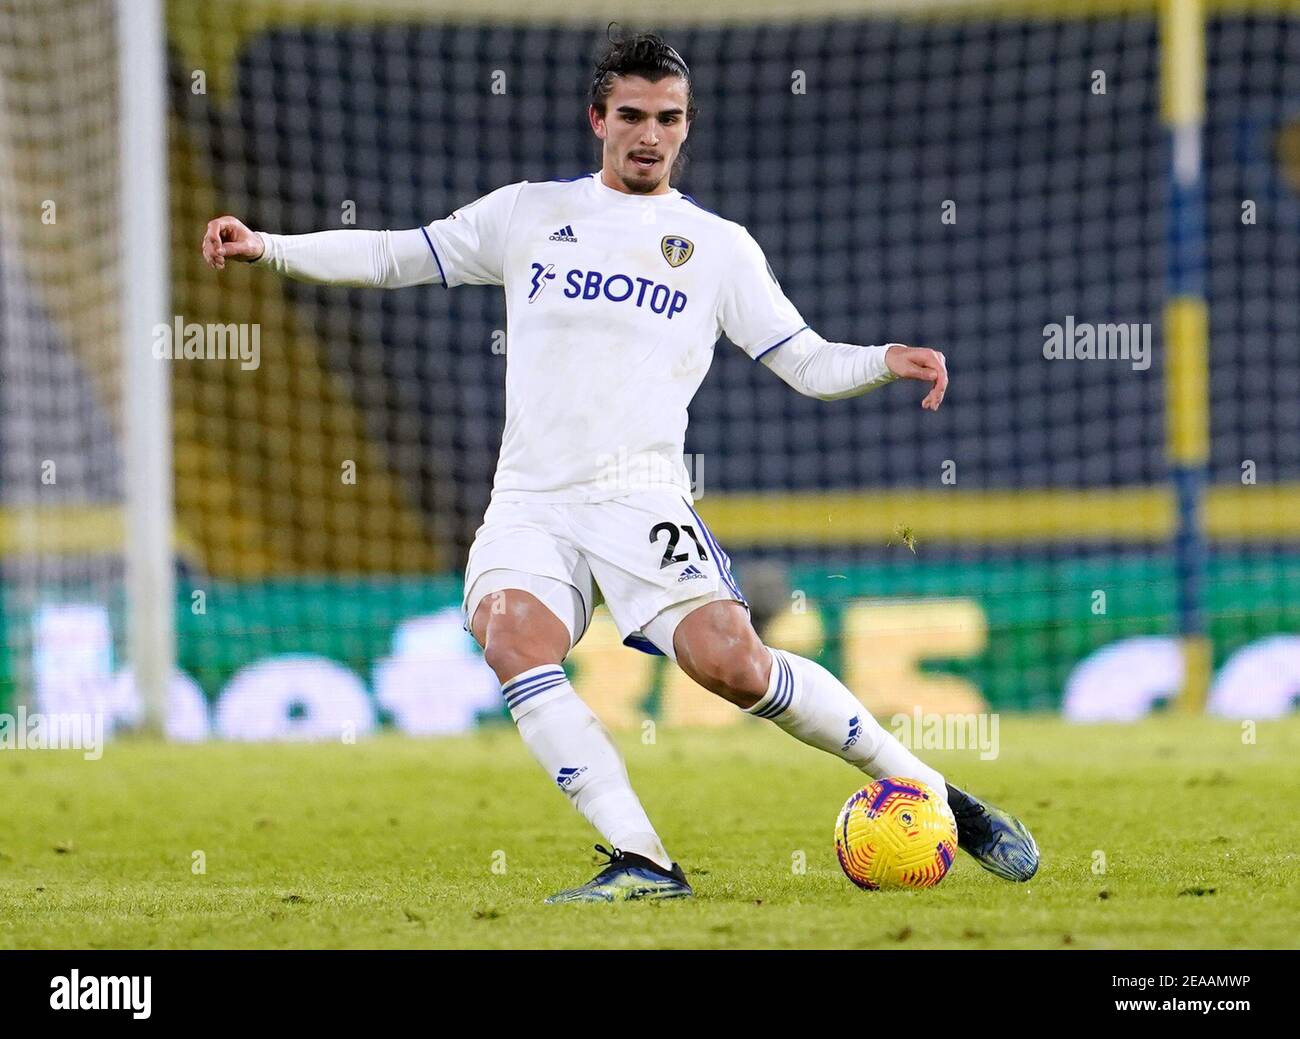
{"points": [[228, 238], [916, 362]]}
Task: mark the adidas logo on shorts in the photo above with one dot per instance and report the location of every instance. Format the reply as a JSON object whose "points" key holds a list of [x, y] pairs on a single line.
{"points": [[691, 572]]}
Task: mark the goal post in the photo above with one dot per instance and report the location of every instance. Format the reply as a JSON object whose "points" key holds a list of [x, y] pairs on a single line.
{"points": [[1187, 324], [146, 396]]}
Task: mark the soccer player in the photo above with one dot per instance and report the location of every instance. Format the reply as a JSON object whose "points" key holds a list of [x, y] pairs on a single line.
{"points": [[617, 288]]}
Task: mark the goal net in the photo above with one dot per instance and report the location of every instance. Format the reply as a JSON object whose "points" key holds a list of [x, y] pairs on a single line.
{"points": [[993, 180]]}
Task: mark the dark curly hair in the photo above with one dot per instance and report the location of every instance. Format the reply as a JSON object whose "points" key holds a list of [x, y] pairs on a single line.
{"points": [[640, 54]]}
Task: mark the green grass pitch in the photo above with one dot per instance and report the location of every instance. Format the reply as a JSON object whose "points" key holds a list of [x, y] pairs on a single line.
{"points": [[398, 842]]}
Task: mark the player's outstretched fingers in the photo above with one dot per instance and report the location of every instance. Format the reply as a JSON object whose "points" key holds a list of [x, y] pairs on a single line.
{"points": [[937, 368], [923, 365]]}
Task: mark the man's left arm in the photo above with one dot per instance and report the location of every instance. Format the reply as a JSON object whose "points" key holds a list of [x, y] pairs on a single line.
{"points": [[755, 314], [832, 371]]}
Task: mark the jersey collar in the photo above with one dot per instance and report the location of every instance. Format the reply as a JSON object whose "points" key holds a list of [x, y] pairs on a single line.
{"points": [[605, 191]]}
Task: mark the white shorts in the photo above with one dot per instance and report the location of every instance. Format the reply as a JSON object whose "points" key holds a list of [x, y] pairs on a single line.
{"points": [[647, 555]]}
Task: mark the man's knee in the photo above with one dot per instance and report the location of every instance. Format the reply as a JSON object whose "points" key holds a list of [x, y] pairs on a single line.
{"points": [[742, 677], [518, 632], [718, 648]]}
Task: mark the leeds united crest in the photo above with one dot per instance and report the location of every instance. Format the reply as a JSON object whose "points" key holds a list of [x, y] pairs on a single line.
{"points": [[676, 250]]}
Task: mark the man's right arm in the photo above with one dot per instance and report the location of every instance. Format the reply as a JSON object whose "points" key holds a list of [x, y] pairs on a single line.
{"points": [[466, 248], [368, 259]]}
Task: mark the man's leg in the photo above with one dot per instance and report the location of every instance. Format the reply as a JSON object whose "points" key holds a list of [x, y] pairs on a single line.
{"points": [[524, 642], [717, 646]]}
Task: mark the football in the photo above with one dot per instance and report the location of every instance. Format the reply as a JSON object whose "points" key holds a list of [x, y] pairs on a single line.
{"points": [[895, 833]]}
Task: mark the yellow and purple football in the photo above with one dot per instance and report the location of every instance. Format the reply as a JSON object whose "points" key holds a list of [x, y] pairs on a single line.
{"points": [[895, 833]]}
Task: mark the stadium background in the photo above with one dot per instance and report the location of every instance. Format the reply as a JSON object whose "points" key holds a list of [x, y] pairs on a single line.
{"points": [[837, 137]]}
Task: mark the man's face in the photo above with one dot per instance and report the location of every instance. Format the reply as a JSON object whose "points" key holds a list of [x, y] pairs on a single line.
{"points": [[643, 128]]}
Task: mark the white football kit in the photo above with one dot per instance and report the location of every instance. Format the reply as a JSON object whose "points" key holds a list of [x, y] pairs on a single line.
{"points": [[614, 303]]}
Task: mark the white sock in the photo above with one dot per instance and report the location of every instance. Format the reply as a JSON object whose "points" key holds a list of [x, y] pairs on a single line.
{"points": [[814, 706], [581, 759]]}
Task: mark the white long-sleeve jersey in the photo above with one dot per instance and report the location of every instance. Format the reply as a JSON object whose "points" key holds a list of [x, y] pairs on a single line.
{"points": [[613, 305]]}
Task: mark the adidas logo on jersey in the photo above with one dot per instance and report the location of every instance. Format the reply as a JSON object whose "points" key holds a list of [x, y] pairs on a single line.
{"points": [[564, 234], [691, 572]]}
